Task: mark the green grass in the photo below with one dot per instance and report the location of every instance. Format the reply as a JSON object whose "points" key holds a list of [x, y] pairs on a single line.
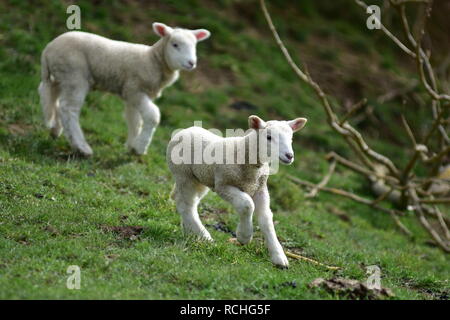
{"points": [[54, 207]]}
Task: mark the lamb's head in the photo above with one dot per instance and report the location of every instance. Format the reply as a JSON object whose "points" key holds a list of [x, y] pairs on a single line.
{"points": [[278, 136], [180, 45]]}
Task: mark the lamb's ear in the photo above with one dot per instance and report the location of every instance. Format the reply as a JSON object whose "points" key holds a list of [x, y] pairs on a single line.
{"points": [[161, 29], [255, 122], [201, 34], [297, 124]]}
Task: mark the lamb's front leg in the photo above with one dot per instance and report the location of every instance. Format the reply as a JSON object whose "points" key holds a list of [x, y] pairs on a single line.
{"points": [[150, 115], [265, 220], [243, 204]]}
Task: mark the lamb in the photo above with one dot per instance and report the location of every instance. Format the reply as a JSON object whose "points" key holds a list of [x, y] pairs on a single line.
{"points": [[76, 62], [241, 183]]}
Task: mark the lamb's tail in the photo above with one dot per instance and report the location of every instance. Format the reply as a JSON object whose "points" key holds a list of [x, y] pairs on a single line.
{"points": [[48, 94]]}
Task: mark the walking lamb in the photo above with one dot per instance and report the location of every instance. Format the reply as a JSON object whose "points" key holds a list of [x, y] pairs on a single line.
{"points": [[76, 62], [243, 184]]}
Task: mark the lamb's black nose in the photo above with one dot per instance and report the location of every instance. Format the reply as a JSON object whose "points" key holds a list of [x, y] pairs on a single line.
{"points": [[289, 156]]}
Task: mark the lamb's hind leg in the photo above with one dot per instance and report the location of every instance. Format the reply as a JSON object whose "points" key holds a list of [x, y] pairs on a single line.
{"points": [[187, 196], [48, 93], [244, 205], [71, 100]]}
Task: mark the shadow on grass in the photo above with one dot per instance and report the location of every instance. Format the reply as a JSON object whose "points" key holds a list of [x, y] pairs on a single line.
{"points": [[40, 148]]}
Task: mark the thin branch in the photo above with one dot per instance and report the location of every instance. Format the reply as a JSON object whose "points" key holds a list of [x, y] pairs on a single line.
{"points": [[442, 222], [359, 199], [423, 220], [409, 131], [299, 257], [435, 200], [383, 196], [355, 167], [388, 33], [324, 181], [352, 110]]}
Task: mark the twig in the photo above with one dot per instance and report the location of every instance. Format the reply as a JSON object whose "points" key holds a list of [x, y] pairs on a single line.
{"points": [[433, 213], [356, 198], [409, 131], [355, 167], [442, 223], [299, 257], [324, 181], [353, 109], [418, 209], [435, 200], [388, 33], [383, 196]]}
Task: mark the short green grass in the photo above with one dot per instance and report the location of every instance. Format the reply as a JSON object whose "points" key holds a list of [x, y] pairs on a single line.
{"points": [[55, 207]]}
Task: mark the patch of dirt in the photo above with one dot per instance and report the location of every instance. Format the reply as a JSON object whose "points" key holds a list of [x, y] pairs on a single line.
{"points": [[351, 288], [210, 212], [23, 240], [222, 227], [52, 230], [243, 105], [124, 232], [286, 284], [429, 293]]}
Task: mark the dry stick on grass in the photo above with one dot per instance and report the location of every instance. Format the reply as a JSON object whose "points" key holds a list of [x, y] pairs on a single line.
{"points": [[293, 255], [299, 257]]}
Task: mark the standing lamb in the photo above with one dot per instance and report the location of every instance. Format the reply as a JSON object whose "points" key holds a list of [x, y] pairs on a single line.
{"points": [[76, 62], [243, 184]]}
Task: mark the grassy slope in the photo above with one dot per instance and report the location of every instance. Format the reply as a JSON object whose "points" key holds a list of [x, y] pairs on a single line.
{"points": [[53, 206]]}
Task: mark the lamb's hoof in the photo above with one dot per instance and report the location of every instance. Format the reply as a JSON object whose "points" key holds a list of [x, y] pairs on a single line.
{"points": [[280, 261], [137, 148], [198, 235], [137, 151], [55, 132], [244, 239], [207, 239], [85, 151]]}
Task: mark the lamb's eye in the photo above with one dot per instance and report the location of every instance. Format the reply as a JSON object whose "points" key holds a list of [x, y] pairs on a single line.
{"points": [[269, 138], [175, 45]]}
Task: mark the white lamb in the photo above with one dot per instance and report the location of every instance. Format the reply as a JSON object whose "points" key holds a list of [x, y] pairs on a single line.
{"points": [[244, 185], [76, 62]]}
